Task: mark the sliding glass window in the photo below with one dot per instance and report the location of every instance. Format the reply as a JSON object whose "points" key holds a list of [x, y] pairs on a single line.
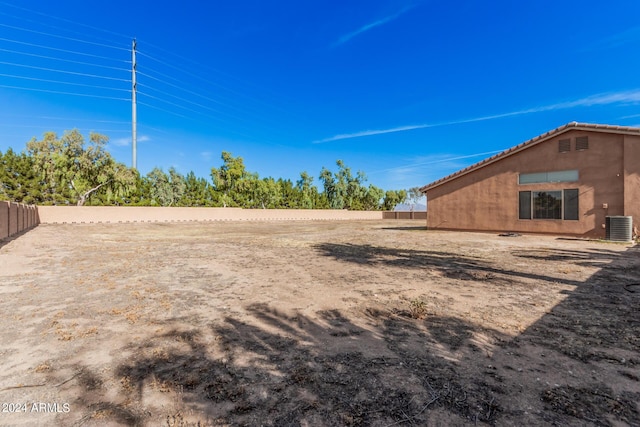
{"points": [[557, 204]]}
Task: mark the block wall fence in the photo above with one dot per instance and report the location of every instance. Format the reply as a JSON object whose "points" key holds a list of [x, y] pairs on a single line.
{"points": [[16, 218], [405, 215], [116, 214]]}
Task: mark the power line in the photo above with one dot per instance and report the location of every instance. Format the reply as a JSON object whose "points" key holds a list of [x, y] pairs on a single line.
{"points": [[65, 93], [177, 87], [64, 60], [174, 104], [188, 102], [200, 65], [64, 19], [190, 91], [224, 113], [40, 126], [65, 118], [39, 23], [63, 50], [64, 37], [155, 129], [181, 115], [250, 111], [162, 109], [62, 71], [255, 112], [64, 83], [202, 79], [184, 108], [181, 99]]}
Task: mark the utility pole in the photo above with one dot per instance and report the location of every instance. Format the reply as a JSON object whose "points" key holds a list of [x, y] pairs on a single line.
{"points": [[134, 113]]}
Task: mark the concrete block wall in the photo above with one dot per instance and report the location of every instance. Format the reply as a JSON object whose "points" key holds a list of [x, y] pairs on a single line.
{"points": [[116, 214], [16, 218], [404, 215]]}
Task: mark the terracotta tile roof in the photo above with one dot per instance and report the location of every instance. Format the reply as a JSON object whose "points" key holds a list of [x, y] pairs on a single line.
{"points": [[530, 143]]}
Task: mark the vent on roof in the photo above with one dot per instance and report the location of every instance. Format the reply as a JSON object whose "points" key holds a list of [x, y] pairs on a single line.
{"points": [[564, 145], [582, 143]]}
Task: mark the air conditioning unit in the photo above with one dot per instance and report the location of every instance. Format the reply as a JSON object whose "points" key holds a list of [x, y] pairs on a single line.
{"points": [[619, 228]]}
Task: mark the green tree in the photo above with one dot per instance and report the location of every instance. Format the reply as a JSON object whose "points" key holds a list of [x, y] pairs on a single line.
{"points": [[355, 190], [178, 186], [141, 194], [333, 190], [266, 194], [289, 197], [73, 171], [232, 181], [160, 189], [166, 189], [372, 199], [305, 188], [414, 195], [342, 189], [393, 198], [197, 191], [19, 182]]}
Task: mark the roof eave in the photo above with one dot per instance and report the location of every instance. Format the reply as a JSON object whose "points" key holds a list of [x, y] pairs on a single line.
{"points": [[531, 143]]}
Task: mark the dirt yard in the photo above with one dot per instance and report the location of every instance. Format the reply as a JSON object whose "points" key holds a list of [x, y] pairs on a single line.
{"points": [[315, 324]]}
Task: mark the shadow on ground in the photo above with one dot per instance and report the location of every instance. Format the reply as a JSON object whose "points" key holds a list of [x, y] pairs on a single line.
{"points": [[407, 228], [383, 366], [450, 264]]}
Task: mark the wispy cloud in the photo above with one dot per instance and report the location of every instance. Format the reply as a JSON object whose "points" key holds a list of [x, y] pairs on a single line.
{"points": [[413, 173], [206, 155], [633, 116], [371, 26], [447, 161], [630, 35], [124, 142], [625, 97]]}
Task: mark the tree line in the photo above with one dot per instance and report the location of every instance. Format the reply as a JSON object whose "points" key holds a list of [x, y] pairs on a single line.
{"points": [[68, 170]]}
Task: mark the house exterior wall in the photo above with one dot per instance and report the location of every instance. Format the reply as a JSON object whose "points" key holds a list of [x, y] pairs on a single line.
{"points": [[486, 199], [632, 178]]}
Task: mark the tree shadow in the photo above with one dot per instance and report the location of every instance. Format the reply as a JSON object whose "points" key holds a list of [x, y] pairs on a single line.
{"points": [[381, 366], [407, 228], [449, 264], [592, 257], [595, 333]]}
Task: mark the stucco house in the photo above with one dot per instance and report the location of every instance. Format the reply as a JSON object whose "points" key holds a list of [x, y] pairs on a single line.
{"points": [[566, 181]]}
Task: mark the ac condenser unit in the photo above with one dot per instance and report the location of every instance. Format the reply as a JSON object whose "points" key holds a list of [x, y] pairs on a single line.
{"points": [[619, 228]]}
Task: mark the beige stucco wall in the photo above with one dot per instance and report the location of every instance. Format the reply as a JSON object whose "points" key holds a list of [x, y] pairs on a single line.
{"points": [[89, 214], [487, 199], [632, 178]]}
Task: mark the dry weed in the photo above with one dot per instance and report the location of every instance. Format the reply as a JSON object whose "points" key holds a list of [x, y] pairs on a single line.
{"points": [[43, 367], [418, 309]]}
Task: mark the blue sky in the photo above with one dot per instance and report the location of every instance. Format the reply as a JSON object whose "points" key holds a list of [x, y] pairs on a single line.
{"points": [[406, 91]]}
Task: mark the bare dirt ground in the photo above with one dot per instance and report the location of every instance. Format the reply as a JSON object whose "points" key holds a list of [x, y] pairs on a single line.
{"points": [[315, 324]]}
